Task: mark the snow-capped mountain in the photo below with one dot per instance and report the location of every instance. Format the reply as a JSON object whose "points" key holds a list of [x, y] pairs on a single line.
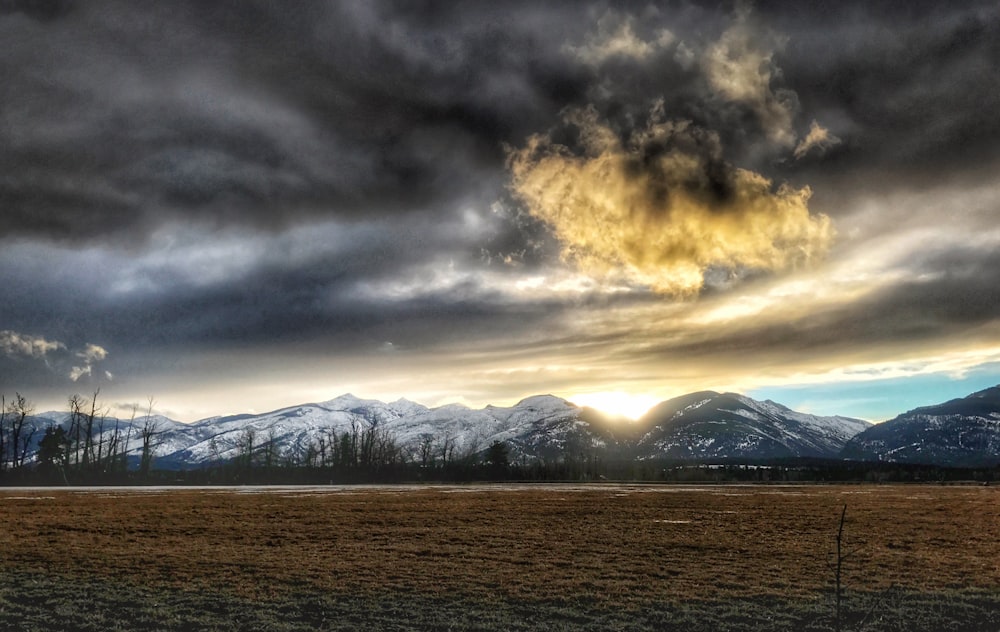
{"points": [[291, 430], [544, 427], [104, 429], [731, 426], [536, 428], [960, 432]]}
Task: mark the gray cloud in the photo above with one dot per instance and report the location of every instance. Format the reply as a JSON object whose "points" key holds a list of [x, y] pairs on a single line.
{"points": [[911, 104], [41, 10], [250, 114], [14, 344], [33, 359]]}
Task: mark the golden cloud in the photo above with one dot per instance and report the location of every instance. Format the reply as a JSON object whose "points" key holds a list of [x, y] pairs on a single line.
{"points": [[615, 37], [818, 137], [661, 206]]}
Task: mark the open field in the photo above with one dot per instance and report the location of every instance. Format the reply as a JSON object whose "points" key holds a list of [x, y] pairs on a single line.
{"points": [[499, 557]]}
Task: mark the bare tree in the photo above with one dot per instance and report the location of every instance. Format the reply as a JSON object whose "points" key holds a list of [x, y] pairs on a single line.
{"points": [[3, 433], [326, 444], [470, 449], [76, 414], [427, 451], [88, 432], [26, 443], [246, 446], [269, 447], [213, 449], [311, 452], [99, 459], [349, 446], [19, 410], [128, 437], [148, 433], [366, 444], [113, 461], [385, 451], [447, 450], [330, 452]]}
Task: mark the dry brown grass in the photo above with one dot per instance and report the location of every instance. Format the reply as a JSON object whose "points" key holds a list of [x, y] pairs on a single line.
{"points": [[624, 545]]}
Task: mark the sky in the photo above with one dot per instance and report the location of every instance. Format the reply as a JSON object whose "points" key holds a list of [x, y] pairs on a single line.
{"points": [[239, 206]]}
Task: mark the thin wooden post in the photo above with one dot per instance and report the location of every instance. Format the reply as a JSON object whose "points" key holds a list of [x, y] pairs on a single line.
{"points": [[840, 560]]}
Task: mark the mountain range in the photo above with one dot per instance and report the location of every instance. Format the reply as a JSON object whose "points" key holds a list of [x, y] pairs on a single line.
{"points": [[962, 432], [699, 426]]}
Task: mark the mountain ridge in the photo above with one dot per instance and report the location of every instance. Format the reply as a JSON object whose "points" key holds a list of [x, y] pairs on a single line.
{"points": [[699, 426], [962, 432], [537, 428], [707, 424]]}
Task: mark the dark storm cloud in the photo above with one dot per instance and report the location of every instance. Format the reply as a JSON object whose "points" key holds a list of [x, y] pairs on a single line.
{"points": [[119, 116], [909, 88], [231, 290], [42, 10]]}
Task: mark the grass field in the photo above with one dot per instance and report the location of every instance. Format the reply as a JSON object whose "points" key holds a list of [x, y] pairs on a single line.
{"points": [[499, 558]]}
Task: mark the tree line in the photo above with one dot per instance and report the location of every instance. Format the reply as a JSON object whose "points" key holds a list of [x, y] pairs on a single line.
{"points": [[89, 447]]}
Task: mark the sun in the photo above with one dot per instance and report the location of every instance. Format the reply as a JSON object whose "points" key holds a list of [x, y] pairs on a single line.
{"points": [[617, 403]]}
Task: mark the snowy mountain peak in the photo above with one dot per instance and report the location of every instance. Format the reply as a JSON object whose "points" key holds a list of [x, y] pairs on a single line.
{"points": [[347, 401], [405, 404], [708, 424], [544, 402], [456, 408]]}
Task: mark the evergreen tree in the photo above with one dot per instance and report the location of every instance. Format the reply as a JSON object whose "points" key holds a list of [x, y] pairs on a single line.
{"points": [[497, 456], [53, 449]]}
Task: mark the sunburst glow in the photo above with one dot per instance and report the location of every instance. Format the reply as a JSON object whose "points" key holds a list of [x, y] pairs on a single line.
{"points": [[618, 403]]}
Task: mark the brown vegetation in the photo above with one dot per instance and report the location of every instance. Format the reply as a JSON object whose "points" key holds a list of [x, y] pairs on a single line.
{"points": [[614, 545]]}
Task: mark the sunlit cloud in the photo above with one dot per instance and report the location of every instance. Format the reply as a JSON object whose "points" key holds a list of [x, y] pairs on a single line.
{"points": [[662, 206], [14, 344], [79, 371], [53, 353], [818, 138], [615, 37], [445, 278], [90, 355]]}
